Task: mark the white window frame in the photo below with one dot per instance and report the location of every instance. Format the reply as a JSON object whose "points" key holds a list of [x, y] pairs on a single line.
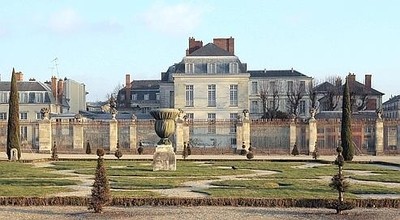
{"points": [[233, 95]]}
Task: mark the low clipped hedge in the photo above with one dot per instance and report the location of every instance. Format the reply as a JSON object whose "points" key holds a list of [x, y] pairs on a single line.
{"points": [[250, 202]]}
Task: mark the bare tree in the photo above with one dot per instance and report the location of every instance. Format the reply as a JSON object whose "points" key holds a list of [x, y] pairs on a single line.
{"points": [[294, 95], [269, 90], [333, 93], [273, 109], [115, 91], [312, 93], [264, 98]]}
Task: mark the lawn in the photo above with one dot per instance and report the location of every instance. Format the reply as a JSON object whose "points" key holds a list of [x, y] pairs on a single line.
{"points": [[136, 178]]}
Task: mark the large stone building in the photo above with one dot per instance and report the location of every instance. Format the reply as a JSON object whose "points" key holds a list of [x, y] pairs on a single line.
{"points": [[391, 108]]}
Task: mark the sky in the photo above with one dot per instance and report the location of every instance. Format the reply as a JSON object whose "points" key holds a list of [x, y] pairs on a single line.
{"points": [[98, 42]]}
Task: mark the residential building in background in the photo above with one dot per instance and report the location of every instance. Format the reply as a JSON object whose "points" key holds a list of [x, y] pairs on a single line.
{"points": [[391, 108]]}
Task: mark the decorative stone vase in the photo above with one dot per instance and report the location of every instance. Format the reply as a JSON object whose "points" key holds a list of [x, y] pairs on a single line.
{"points": [[165, 124]]}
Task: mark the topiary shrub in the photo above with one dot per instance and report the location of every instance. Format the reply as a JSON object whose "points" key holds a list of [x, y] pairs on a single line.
{"points": [[118, 152], [295, 150], [185, 152], [101, 188], [88, 148], [140, 148], [315, 153], [54, 154], [250, 155]]}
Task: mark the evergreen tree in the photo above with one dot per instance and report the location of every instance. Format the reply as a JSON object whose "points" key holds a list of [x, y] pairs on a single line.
{"points": [[295, 150], [13, 119], [347, 143], [101, 188], [88, 148]]}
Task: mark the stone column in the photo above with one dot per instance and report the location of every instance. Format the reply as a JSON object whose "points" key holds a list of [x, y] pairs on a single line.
{"points": [[379, 136], [113, 135], [239, 135], [312, 139], [179, 139], [45, 139], [133, 134], [292, 135], [77, 130]]}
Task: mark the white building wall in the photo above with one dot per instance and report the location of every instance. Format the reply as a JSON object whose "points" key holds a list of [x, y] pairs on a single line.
{"points": [[75, 92]]}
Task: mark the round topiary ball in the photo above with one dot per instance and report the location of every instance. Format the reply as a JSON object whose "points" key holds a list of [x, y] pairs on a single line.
{"points": [[100, 152], [250, 155], [339, 149]]}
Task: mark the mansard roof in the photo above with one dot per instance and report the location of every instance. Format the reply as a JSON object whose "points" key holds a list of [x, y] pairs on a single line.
{"points": [[25, 86], [355, 86], [275, 73], [145, 84], [210, 49], [392, 100]]}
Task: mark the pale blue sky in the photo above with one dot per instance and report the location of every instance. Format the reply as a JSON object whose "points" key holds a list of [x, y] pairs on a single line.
{"points": [[98, 42]]}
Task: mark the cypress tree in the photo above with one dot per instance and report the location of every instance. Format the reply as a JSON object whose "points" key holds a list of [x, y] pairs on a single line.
{"points": [[101, 188], [13, 119], [347, 143]]}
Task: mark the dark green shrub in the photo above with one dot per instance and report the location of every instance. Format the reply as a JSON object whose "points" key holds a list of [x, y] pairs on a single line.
{"points": [[88, 148], [13, 129], [101, 187], [118, 152], [295, 150], [346, 135], [315, 153], [250, 155], [54, 154]]}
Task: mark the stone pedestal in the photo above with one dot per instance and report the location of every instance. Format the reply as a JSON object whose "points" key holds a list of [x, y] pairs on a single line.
{"points": [[292, 136], [113, 135], [179, 139], [312, 139], [78, 135], [132, 135], [379, 137], [45, 139], [164, 158]]}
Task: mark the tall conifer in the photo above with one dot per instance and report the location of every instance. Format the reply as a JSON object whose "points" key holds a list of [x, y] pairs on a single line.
{"points": [[13, 119], [346, 135]]}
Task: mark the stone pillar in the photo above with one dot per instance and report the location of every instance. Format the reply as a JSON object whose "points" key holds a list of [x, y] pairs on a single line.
{"points": [[292, 135], [312, 131], [179, 135], [379, 136], [239, 135], [77, 130], [113, 135], [45, 139], [133, 135], [186, 132]]}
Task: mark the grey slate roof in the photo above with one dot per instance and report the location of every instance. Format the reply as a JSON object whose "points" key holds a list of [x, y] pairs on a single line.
{"points": [[338, 115], [392, 100], [355, 86], [145, 84], [210, 49], [25, 86], [275, 73]]}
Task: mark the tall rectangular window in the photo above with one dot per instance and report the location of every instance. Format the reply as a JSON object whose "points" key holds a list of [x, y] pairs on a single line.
{"points": [[189, 68], [211, 68], [39, 97], [302, 86], [146, 97], [189, 95], [23, 97], [211, 95], [272, 87], [4, 97], [23, 115], [290, 86], [233, 95], [39, 116], [24, 133], [233, 68], [254, 107], [211, 123], [254, 88], [3, 116], [302, 107], [134, 96], [233, 119]]}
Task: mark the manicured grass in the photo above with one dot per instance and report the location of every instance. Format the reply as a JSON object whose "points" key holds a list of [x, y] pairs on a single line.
{"points": [[136, 178], [148, 183], [30, 190]]}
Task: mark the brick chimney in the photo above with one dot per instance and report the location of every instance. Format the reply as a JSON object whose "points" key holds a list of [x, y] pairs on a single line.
{"points": [[54, 86], [60, 90], [193, 45], [367, 81], [19, 76], [227, 44], [127, 90], [351, 78]]}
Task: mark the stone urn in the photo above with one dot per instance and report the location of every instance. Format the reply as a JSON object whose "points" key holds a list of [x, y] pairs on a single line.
{"points": [[165, 124], [164, 157]]}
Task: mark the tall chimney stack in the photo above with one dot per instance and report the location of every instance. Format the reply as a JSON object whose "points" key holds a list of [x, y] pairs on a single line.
{"points": [[193, 45], [60, 90], [227, 44], [54, 87], [127, 90], [19, 76], [367, 81]]}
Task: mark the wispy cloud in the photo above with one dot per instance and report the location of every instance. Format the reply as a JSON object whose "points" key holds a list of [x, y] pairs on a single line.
{"points": [[68, 21], [172, 19]]}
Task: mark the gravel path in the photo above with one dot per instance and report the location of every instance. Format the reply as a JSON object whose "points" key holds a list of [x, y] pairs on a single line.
{"points": [[192, 213]]}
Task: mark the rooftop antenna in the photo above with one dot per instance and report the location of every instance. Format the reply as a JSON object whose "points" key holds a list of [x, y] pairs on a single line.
{"points": [[55, 65]]}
